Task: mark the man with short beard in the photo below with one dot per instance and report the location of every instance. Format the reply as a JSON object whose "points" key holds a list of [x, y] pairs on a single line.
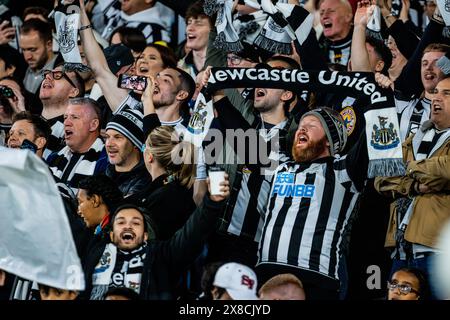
{"points": [[124, 140], [242, 221], [36, 45], [135, 260], [310, 205]]}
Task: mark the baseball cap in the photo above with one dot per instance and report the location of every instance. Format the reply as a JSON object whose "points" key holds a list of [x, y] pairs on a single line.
{"points": [[117, 56], [240, 281]]}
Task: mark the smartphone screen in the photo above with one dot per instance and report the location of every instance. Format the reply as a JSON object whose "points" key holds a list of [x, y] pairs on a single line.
{"points": [[132, 82]]}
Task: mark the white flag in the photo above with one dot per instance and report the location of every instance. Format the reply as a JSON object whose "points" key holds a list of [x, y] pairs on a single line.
{"points": [[35, 238]]}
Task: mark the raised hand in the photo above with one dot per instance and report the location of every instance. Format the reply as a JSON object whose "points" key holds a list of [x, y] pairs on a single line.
{"points": [[6, 33]]}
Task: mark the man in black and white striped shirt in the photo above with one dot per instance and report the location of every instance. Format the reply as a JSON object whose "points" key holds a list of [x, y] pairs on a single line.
{"points": [[311, 201]]}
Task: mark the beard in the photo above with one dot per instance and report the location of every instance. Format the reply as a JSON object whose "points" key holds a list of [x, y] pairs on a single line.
{"points": [[312, 151]]}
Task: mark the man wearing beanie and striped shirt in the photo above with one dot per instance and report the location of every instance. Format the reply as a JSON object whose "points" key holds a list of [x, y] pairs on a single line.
{"points": [[124, 139], [310, 204]]}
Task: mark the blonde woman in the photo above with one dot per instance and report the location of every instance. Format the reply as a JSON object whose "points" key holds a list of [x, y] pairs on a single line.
{"points": [[168, 198]]}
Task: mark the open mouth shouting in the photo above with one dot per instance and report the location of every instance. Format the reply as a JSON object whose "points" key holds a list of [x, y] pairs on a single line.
{"points": [[68, 133], [127, 236], [302, 139], [260, 93]]}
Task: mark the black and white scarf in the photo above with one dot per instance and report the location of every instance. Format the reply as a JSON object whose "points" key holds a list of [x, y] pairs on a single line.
{"points": [[444, 9], [428, 140], [64, 170], [382, 129], [396, 7], [285, 23], [374, 24], [67, 20], [117, 268]]}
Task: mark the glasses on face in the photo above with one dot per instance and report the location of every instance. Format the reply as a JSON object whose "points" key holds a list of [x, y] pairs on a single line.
{"points": [[404, 288], [57, 75], [235, 60]]}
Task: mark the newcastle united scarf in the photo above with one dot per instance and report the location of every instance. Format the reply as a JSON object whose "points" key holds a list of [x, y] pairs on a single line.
{"points": [[67, 19], [285, 23], [117, 268], [428, 140], [374, 24], [444, 9], [382, 129]]}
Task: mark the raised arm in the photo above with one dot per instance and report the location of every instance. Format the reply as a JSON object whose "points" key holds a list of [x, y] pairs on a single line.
{"points": [[151, 120], [97, 61], [360, 58], [186, 243]]}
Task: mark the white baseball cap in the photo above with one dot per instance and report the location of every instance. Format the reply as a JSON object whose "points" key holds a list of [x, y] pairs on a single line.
{"points": [[240, 281]]}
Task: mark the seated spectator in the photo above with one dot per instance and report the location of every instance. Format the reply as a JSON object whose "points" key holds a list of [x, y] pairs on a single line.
{"points": [[284, 286], [408, 284], [234, 281]]}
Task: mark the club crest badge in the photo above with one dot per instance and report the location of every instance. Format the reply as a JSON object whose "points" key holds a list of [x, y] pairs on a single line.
{"points": [[385, 136], [67, 35], [349, 116], [198, 119]]}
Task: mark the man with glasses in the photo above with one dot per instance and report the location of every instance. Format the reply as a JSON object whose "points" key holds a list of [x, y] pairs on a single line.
{"points": [[57, 87], [84, 154]]}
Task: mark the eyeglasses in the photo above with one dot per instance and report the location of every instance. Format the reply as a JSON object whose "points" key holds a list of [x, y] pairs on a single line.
{"points": [[235, 60], [404, 288], [57, 75]]}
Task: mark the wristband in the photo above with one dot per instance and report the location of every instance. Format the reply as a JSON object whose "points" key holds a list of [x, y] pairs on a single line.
{"points": [[85, 27]]}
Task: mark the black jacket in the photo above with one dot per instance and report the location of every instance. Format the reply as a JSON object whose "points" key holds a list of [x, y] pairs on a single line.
{"points": [[168, 204], [165, 260], [132, 181]]}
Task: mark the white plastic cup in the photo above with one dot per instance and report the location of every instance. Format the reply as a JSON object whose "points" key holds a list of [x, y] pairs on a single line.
{"points": [[216, 176]]}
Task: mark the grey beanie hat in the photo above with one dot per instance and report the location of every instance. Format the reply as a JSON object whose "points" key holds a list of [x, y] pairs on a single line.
{"points": [[334, 126]]}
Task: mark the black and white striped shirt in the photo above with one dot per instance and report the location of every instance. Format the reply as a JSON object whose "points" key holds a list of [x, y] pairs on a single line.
{"points": [[308, 213], [56, 139], [250, 194], [155, 23]]}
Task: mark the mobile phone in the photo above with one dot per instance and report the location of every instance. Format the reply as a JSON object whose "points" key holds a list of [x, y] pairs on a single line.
{"points": [[132, 82], [16, 23], [27, 144], [6, 92]]}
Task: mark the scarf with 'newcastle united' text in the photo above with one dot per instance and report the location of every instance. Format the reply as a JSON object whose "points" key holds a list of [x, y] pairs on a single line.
{"points": [[382, 128]]}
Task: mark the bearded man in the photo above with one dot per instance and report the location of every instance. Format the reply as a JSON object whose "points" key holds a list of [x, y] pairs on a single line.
{"points": [[310, 205]]}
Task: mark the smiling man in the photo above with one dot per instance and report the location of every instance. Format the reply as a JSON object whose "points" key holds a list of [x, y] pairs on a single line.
{"points": [[124, 139], [422, 203], [135, 260], [31, 127]]}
